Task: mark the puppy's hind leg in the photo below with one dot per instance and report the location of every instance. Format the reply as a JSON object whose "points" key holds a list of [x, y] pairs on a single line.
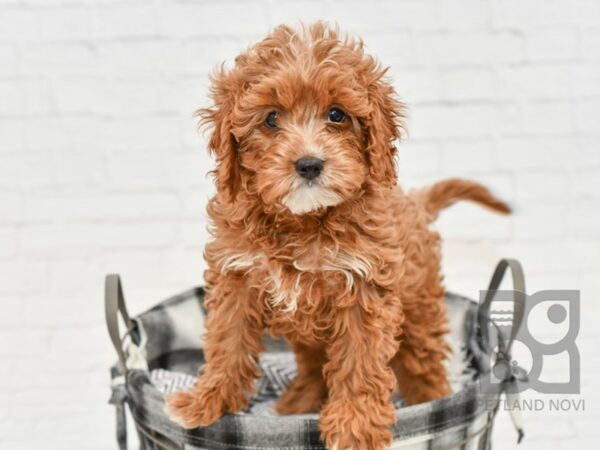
{"points": [[308, 391], [419, 363]]}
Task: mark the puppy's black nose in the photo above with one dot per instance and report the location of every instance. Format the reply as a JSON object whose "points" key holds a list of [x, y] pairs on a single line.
{"points": [[309, 167]]}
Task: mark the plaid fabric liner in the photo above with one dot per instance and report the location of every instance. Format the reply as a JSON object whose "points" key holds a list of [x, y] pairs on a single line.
{"points": [[171, 333]]}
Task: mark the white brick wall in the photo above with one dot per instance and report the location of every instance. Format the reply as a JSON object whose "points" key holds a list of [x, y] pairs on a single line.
{"points": [[101, 170]]}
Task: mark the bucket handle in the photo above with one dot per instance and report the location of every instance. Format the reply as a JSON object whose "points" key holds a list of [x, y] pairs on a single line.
{"points": [[114, 303], [504, 345], [518, 281]]}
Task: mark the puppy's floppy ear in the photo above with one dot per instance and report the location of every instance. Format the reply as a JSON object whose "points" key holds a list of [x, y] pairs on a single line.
{"points": [[222, 143], [383, 128]]}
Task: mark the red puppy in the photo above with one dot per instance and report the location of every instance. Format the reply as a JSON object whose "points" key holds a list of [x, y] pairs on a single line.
{"points": [[313, 240]]}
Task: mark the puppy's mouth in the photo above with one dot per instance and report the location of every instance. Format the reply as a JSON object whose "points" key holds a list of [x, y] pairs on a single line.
{"points": [[310, 195]]}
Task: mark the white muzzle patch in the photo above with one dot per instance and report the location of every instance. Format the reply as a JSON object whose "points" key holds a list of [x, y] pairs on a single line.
{"points": [[308, 197]]}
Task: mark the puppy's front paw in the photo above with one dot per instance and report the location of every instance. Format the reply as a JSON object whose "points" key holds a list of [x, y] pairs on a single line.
{"points": [[191, 409], [357, 426]]}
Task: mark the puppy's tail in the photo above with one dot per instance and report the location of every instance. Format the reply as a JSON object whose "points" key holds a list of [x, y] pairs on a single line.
{"points": [[445, 193]]}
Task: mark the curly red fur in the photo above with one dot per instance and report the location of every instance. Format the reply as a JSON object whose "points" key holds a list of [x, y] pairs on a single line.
{"points": [[345, 268]]}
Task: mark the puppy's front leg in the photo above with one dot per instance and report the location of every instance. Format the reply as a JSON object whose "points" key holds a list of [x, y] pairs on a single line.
{"points": [[233, 342], [359, 412]]}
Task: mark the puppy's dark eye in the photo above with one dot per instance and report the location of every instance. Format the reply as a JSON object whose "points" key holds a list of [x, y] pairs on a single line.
{"points": [[336, 115], [271, 121]]}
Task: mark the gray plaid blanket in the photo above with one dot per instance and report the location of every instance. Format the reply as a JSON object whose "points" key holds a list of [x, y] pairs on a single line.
{"points": [[165, 351]]}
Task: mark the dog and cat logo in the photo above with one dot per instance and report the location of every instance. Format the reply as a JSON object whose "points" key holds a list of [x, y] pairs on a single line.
{"points": [[545, 356]]}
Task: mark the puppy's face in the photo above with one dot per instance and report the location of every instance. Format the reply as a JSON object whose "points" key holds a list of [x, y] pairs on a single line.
{"points": [[303, 121], [304, 154]]}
